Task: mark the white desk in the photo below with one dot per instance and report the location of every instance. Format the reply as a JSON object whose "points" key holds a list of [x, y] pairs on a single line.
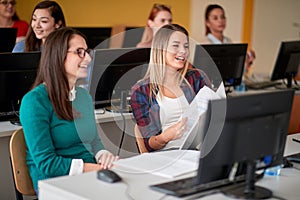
{"points": [[110, 125], [87, 186]]}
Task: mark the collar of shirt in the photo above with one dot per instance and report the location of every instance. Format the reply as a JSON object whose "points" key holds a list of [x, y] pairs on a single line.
{"points": [[215, 40], [72, 94]]}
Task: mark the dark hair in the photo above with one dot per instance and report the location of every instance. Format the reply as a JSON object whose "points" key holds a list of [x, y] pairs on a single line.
{"points": [[208, 10], [52, 71], [32, 43]]}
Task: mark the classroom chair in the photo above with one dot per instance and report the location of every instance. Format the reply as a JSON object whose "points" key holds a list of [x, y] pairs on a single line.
{"points": [[139, 140], [22, 179]]}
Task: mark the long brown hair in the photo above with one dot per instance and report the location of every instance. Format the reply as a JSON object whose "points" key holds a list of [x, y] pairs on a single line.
{"points": [[52, 71], [32, 43]]}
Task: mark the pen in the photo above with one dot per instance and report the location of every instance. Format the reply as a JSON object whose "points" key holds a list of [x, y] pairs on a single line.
{"points": [[296, 140]]}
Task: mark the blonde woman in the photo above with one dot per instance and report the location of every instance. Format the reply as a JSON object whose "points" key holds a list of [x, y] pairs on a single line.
{"points": [[160, 98]]}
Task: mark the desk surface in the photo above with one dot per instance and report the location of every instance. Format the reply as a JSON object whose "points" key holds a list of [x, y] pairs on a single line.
{"points": [[136, 185]]}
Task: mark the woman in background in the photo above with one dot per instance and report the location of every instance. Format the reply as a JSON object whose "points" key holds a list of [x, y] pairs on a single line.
{"points": [[215, 24], [47, 17], [160, 98], [58, 117], [159, 15], [10, 19]]}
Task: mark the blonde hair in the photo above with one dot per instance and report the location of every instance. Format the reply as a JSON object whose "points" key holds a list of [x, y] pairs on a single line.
{"points": [[157, 64]]}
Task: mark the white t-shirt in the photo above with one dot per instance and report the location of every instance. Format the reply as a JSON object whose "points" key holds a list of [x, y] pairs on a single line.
{"points": [[171, 109]]}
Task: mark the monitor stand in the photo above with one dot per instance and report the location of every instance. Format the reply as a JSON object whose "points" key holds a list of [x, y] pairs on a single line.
{"points": [[248, 190]]}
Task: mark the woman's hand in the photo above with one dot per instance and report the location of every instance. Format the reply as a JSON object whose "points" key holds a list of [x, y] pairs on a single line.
{"points": [[106, 159], [175, 131], [88, 167]]}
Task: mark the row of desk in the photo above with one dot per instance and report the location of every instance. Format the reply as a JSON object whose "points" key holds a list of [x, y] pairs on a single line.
{"points": [[136, 185], [111, 127]]}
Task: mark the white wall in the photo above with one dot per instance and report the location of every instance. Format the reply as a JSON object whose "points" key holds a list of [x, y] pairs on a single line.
{"points": [[273, 22], [233, 11]]}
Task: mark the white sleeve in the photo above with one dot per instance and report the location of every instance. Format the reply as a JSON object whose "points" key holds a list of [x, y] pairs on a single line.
{"points": [[76, 167]]}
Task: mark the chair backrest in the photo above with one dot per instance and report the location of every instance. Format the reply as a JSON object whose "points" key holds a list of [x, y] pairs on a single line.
{"points": [[22, 178], [139, 140]]}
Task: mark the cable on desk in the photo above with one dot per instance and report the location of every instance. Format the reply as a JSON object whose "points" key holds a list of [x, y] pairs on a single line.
{"points": [[127, 191], [123, 133]]}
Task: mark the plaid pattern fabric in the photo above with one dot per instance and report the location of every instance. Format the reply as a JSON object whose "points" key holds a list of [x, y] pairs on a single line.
{"points": [[146, 112]]}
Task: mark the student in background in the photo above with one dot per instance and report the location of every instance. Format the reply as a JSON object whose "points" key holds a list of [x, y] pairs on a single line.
{"points": [[47, 17], [10, 19], [58, 117], [159, 15], [160, 98], [215, 23]]}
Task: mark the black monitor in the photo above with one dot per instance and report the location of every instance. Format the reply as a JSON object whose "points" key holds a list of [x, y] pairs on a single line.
{"points": [[133, 36], [253, 128], [17, 74], [229, 60], [96, 36], [7, 39], [114, 72], [287, 62]]}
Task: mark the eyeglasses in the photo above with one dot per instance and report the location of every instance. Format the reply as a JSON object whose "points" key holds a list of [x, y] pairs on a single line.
{"points": [[81, 52], [5, 3]]}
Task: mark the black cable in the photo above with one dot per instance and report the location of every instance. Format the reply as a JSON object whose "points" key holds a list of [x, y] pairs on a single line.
{"points": [[123, 133], [277, 197]]}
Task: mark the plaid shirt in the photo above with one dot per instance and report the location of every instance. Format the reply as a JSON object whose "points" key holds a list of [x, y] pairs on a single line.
{"points": [[146, 112]]}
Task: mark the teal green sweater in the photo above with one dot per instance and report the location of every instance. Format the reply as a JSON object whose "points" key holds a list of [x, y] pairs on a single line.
{"points": [[52, 143]]}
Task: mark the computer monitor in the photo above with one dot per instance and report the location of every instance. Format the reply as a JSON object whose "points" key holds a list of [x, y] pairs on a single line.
{"points": [[17, 74], [114, 72], [96, 36], [229, 60], [254, 127], [287, 62], [133, 36], [7, 39]]}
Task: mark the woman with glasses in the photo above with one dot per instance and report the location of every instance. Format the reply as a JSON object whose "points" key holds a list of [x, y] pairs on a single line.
{"points": [[10, 19], [160, 15], [47, 16], [160, 98], [58, 117]]}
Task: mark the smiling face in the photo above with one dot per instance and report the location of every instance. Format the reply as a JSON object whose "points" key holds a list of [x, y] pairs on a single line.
{"points": [[216, 21], [43, 23], [177, 50], [76, 67]]}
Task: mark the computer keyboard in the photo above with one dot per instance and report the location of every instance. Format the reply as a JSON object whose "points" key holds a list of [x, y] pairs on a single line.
{"points": [[189, 186], [7, 116], [262, 85]]}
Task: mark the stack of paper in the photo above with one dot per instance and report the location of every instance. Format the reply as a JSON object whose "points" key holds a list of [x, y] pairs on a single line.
{"points": [[168, 164]]}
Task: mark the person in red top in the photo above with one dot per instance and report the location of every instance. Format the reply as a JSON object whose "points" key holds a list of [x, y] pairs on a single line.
{"points": [[9, 18]]}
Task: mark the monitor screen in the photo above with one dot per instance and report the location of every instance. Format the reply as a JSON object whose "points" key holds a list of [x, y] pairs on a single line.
{"points": [[96, 36], [114, 72], [17, 74], [253, 128], [228, 58], [7, 39], [287, 62]]}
